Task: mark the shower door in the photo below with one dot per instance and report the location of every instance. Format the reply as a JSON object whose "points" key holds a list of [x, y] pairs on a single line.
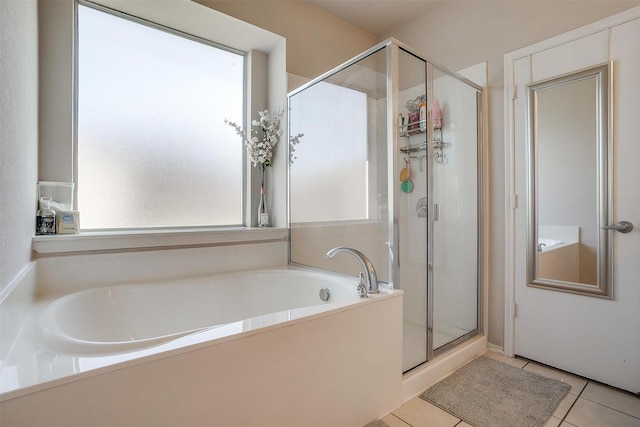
{"points": [[411, 186], [437, 187], [454, 233]]}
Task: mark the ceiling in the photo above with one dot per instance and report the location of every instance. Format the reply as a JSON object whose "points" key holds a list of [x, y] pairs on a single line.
{"points": [[375, 16]]}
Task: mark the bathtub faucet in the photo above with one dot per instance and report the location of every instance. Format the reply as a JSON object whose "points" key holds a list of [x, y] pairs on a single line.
{"points": [[370, 276]]}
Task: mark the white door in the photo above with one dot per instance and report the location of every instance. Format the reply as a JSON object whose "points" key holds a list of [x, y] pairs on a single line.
{"points": [[593, 337]]}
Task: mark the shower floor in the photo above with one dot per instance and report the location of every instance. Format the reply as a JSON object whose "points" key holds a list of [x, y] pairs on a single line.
{"points": [[414, 341]]}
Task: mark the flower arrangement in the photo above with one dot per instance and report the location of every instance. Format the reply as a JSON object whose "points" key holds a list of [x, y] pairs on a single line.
{"points": [[266, 133]]}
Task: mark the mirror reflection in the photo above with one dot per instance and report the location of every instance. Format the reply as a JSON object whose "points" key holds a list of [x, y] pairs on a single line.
{"points": [[568, 183]]}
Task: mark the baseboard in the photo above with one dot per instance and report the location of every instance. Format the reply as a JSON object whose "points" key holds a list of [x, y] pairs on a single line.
{"points": [[495, 349]]}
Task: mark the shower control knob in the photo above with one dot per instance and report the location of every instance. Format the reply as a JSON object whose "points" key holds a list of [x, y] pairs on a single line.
{"points": [[621, 226]]}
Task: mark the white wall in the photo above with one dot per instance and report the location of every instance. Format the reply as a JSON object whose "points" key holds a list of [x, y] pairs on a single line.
{"points": [[457, 34], [18, 135], [56, 90], [316, 40]]}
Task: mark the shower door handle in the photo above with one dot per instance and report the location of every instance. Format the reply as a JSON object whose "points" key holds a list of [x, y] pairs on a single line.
{"points": [[621, 226]]}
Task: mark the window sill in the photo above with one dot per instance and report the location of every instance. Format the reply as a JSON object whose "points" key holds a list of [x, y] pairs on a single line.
{"points": [[115, 241]]}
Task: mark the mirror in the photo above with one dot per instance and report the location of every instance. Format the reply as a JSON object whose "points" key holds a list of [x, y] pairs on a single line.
{"points": [[569, 170]]}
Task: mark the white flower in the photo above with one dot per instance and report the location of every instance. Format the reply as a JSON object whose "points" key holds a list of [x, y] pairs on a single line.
{"points": [[266, 133]]}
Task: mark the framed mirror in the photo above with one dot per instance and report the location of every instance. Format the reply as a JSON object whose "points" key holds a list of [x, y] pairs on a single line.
{"points": [[569, 183]]}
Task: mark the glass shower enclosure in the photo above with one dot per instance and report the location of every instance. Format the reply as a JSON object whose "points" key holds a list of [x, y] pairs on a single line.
{"points": [[389, 164]]}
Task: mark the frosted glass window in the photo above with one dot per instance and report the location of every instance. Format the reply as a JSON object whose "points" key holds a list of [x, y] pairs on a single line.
{"points": [[333, 120], [153, 148]]}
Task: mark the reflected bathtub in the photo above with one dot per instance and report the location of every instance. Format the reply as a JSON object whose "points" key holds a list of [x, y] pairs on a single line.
{"points": [[545, 244]]}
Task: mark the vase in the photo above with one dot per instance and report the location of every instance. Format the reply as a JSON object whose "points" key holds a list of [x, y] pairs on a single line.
{"points": [[263, 212]]}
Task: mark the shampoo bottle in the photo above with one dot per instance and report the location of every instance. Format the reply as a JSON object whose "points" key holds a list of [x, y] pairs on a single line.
{"points": [[423, 116], [45, 218], [437, 115]]}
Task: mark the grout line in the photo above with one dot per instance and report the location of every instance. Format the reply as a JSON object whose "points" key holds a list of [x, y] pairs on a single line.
{"points": [[609, 407], [579, 394], [573, 404], [613, 389], [563, 419], [583, 388], [401, 420]]}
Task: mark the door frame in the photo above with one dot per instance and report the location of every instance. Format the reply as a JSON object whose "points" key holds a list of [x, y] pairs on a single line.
{"points": [[511, 196]]}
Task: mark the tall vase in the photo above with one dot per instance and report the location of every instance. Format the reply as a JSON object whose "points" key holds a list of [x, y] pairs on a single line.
{"points": [[263, 212]]}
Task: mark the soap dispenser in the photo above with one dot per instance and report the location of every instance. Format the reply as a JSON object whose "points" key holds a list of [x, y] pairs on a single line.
{"points": [[45, 218]]}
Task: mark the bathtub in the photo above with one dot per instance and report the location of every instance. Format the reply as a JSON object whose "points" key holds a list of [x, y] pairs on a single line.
{"points": [[129, 317], [203, 351]]}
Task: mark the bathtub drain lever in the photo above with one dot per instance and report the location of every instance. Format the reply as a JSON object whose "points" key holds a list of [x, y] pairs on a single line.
{"points": [[324, 294]]}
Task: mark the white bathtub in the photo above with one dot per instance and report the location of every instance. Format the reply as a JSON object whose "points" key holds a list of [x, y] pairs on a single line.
{"points": [[129, 317], [257, 348]]}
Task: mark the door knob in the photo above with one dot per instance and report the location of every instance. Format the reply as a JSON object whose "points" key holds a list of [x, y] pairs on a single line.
{"points": [[621, 226]]}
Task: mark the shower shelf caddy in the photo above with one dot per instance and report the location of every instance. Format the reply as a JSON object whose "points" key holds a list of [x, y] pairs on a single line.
{"points": [[438, 143]]}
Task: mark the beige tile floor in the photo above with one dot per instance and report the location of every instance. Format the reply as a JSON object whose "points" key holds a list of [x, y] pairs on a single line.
{"points": [[588, 404]]}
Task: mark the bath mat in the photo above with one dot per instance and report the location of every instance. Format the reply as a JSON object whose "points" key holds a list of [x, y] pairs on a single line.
{"points": [[488, 393]]}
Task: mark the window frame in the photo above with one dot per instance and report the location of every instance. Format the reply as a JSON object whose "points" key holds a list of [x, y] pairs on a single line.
{"points": [[266, 87], [178, 33]]}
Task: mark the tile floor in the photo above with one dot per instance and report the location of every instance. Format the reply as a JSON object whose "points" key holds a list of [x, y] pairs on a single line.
{"points": [[588, 404]]}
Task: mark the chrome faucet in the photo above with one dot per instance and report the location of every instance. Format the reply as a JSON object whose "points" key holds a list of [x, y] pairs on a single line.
{"points": [[370, 276]]}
